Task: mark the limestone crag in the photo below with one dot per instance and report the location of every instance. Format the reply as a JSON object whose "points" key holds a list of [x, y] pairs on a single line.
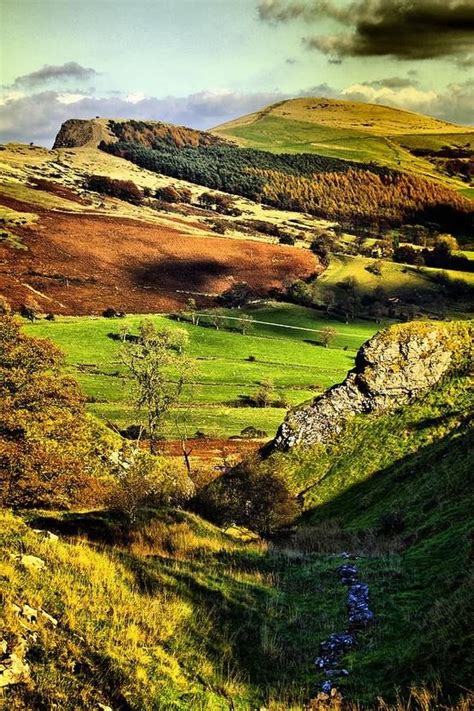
{"points": [[392, 369]]}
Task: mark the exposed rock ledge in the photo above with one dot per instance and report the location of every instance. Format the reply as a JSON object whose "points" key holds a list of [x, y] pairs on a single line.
{"points": [[392, 369]]}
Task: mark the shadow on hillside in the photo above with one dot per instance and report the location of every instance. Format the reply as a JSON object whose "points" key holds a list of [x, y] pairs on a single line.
{"points": [[105, 527], [414, 470], [192, 274]]}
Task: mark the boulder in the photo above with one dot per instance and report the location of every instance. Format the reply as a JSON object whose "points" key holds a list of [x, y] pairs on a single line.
{"points": [[13, 667], [32, 563]]}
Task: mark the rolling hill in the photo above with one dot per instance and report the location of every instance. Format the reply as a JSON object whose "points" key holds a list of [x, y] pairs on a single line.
{"points": [[349, 130], [75, 251]]}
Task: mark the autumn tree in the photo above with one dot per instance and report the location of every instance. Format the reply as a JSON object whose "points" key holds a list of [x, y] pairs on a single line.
{"points": [[159, 369], [49, 449]]}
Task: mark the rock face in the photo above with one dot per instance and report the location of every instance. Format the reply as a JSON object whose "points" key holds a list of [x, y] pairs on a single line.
{"points": [[392, 369], [78, 133]]}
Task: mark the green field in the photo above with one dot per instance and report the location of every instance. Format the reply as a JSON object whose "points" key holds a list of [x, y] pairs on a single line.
{"points": [[396, 279], [229, 366]]}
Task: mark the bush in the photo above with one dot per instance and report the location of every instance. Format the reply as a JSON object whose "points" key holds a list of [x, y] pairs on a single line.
{"points": [[50, 452], [142, 480], [287, 239], [321, 246], [121, 189], [299, 292], [405, 255], [253, 433], [113, 313], [172, 194], [237, 295], [249, 496]]}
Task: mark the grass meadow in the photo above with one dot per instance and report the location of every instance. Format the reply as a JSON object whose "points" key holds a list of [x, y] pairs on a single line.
{"points": [[229, 366]]}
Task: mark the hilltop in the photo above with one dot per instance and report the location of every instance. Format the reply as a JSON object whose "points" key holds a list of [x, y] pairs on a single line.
{"points": [[355, 131], [375, 119]]}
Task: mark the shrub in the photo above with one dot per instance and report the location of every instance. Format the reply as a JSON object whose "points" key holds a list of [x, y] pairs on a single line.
{"points": [[253, 433], [405, 254], [50, 453], [122, 189], [172, 194], [287, 239], [299, 292], [237, 295], [250, 496], [113, 313], [142, 480]]}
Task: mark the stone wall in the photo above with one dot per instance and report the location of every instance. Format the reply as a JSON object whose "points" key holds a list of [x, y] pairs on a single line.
{"points": [[392, 369]]}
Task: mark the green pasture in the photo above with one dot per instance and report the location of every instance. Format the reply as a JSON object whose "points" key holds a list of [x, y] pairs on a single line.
{"points": [[228, 366]]}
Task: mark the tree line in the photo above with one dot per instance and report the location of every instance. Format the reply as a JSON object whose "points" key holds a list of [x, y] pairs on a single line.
{"points": [[355, 194]]}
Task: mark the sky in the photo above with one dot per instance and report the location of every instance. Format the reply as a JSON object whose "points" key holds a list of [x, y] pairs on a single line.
{"points": [[203, 62]]}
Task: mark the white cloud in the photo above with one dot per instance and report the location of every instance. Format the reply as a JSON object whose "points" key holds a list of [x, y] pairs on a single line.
{"points": [[408, 97], [69, 98], [37, 117]]}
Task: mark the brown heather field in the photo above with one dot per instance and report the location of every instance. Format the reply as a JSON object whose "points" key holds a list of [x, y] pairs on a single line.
{"points": [[83, 264]]}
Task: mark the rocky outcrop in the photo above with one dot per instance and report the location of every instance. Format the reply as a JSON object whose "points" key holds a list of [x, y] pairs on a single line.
{"points": [[392, 369], [79, 133]]}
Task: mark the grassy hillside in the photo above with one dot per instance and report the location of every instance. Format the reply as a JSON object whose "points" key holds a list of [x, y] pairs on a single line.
{"points": [[182, 615], [344, 129], [170, 617], [229, 366], [397, 489]]}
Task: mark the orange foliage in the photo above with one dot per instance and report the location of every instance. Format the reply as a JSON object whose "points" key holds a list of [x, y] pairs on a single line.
{"points": [[47, 445]]}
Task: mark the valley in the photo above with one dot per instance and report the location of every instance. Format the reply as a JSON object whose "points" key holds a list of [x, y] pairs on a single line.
{"points": [[232, 361]]}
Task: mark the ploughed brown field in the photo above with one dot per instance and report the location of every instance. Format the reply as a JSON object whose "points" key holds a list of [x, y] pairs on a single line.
{"points": [[82, 264]]}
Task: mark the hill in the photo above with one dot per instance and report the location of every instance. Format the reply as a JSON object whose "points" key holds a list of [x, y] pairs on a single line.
{"points": [[89, 133], [57, 237], [374, 119], [355, 131]]}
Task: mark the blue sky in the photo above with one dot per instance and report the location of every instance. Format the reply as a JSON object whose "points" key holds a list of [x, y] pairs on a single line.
{"points": [[202, 62]]}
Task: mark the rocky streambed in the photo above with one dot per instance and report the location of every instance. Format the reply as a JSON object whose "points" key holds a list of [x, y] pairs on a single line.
{"points": [[359, 616]]}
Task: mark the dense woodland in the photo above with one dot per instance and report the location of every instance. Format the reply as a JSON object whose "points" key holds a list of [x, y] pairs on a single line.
{"points": [[355, 194]]}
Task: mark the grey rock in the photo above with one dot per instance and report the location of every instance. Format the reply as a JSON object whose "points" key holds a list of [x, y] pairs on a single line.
{"points": [[392, 369]]}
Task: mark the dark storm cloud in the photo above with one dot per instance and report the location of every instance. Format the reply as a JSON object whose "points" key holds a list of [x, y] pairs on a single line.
{"points": [[404, 29], [393, 83], [53, 73]]}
